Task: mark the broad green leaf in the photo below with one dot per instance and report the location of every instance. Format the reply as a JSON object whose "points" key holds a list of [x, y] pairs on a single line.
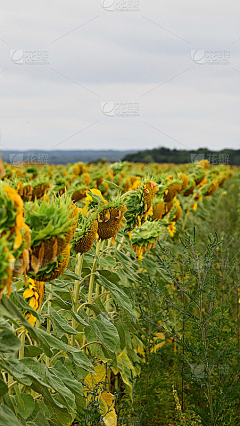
{"points": [[119, 295], [3, 388], [32, 351], [60, 302], [18, 300], [126, 368], [7, 417], [67, 378], [95, 348], [79, 356], [106, 332], [8, 309], [28, 405], [9, 342], [39, 420], [58, 385], [61, 322]]}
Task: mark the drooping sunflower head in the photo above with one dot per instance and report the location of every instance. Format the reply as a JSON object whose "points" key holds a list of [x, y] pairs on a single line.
{"points": [[86, 233], [12, 223], [210, 188], [110, 219], [144, 238], [54, 269], [79, 169], [172, 190], [50, 218], [7, 260], [139, 203], [93, 200], [190, 188]]}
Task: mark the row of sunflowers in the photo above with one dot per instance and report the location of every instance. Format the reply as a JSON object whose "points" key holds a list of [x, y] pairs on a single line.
{"points": [[73, 242]]}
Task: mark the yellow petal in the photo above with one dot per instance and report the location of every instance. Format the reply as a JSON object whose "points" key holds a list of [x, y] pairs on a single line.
{"points": [[28, 293]]}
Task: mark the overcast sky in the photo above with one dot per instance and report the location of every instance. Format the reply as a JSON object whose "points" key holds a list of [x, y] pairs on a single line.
{"points": [[130, 74]]}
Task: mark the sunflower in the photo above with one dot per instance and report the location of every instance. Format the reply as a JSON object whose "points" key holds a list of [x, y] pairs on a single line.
{"points": [[35, 293], [172, 191], [158, 210], [172, 229], [6, 267], [110, 220], [178, 213], [55, 268], [13, 215], [86, 233], [93, 199], [53, 223]]}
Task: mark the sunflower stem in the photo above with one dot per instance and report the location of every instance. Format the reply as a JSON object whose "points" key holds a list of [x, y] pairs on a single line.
{"points": [[48, 320], [97, 285], [94, 267], [77, 284]]}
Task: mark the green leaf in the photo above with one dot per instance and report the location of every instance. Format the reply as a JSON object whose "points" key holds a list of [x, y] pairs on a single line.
{"points": [[39, 420], [28, 405], [107, 262], [18, 300], [119, 295], [105, 331], [58, 385], [9, 342], [61, 322], [79, 357], [60, 302], [8, 309], [3, 388], [32, 351], [67, 378], [7, 417]]}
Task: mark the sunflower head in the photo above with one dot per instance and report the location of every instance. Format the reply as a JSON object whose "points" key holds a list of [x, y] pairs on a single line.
{"points": [[54, 269], [86, 233], [110, 219], [93, 200]]}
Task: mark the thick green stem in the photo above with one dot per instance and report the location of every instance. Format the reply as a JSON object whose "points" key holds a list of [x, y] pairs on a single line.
{"points": [[48, 320], [97, 285], [77, 285], [94, 267]]}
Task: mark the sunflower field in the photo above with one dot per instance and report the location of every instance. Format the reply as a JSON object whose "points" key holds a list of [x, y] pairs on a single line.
{"points": [[119, 289]]}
